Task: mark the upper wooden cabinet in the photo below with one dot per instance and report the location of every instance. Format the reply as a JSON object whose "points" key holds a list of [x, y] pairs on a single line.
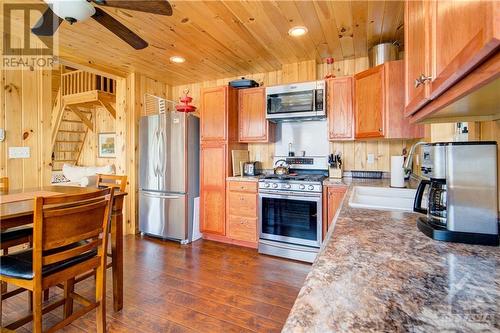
{"points": [[252, 116], [370, 103], [444, 41], [340, 108], [417, 39], [379, 104], [219, 114]]}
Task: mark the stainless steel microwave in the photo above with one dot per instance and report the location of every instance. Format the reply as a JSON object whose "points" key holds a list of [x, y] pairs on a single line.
{"points": [[305, 100]]}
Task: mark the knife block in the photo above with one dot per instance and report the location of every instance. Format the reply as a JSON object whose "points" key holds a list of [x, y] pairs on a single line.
{"points": [[335, 172]]}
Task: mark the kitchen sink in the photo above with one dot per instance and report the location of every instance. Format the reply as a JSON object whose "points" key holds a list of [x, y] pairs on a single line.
{"points": [[383, 198]]}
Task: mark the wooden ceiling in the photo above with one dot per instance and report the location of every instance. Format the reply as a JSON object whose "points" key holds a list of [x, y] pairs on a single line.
{"points": [[228, 38]]}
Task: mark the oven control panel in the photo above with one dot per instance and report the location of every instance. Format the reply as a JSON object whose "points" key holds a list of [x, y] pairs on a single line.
{"points": [[290, 186], [300, 160]]}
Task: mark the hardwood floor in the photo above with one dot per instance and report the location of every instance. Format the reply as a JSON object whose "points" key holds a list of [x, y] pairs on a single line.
{"points": [[201, 287]]}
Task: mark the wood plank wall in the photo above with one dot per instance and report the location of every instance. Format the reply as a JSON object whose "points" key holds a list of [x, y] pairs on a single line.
{"points": [[355, 152], [490, 131], [25, 113]]}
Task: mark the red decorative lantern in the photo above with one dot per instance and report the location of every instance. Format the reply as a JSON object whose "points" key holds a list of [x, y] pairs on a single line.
{"points": [[185, 107], [329, 68]]}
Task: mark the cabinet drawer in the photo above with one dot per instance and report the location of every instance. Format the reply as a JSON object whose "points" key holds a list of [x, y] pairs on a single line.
{"points": [[243, 228], [243, 204], [243, 186]]}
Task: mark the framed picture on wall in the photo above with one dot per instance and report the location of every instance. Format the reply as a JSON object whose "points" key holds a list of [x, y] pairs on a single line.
{"points": [[106, 145]]}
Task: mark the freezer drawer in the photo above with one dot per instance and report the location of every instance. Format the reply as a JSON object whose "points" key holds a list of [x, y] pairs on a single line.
{"points": [[163, 215]]}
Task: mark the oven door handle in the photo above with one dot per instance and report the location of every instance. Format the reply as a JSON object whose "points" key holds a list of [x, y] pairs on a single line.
{"points": [[292, 197]]}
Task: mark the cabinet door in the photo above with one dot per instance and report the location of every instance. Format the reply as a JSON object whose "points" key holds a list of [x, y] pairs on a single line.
{"points": [[464, 33], [213, 115], [252, 115], [417, 48], [369, 103], [212, 188], [340, 110], [335, 196]]}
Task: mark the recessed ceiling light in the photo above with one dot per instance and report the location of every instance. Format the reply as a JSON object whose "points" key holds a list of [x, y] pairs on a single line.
{"points": [[297, 31], [177, 59]]}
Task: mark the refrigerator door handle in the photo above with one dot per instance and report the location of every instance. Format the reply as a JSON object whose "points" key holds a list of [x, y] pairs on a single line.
{"points": [[157, 144], [162, 196], [161, 153]]}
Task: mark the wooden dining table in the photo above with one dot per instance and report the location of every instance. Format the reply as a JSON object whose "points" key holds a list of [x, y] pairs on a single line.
{"points": [[16, 209]]}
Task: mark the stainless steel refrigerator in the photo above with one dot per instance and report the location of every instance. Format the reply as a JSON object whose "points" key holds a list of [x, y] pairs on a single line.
{"points": [[169, 148]]}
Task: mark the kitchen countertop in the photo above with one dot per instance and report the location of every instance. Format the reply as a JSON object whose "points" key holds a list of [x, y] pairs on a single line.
{"points": [[244, 178], [376, 272]]}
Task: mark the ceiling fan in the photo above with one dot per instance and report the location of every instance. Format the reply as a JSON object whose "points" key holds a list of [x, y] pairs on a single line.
{"points": [[74, 11]]}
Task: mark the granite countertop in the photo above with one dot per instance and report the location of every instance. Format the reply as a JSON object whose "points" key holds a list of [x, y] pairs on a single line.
{"points": [[244, 178], [376, 272]]}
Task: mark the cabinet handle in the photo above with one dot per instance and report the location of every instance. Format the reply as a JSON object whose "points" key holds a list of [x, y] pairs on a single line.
{"points": [[422, 79], [380, 130]]}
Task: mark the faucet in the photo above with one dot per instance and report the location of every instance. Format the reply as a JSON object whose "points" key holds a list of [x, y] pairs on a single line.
{"points": [[408, 165]]}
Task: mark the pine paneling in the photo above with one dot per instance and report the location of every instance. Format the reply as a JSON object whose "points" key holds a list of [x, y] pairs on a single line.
{"points": [[25, 114], [490, 131]]}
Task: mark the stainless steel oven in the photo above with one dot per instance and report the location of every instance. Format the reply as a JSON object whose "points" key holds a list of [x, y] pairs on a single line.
{"points": [[290, 223], [297, 100]]}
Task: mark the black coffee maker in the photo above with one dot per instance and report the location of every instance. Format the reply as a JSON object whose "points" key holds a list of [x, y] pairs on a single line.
{"points": [[435, 192], [460, 192]]}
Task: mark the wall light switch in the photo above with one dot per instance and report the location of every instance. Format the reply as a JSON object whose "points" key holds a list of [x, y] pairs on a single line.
{"points": [[2, 134], [19, 152], [370, 159]]}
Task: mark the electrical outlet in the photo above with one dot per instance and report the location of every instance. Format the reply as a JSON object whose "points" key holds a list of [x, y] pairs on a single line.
{"points": [[370, 159], [19, 152]]}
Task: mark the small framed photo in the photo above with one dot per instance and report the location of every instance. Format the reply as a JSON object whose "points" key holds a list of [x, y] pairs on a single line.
{"points": [[106, 145]]}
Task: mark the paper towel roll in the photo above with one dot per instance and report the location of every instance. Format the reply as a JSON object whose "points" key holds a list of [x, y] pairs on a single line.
{"points": [[397, 171]]}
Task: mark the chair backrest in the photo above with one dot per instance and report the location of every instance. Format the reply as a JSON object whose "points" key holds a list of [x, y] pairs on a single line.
{"points": [[67, 226], [4, 184], [115, 181]]}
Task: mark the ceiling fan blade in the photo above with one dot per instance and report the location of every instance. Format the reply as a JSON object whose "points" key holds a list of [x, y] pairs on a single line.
{"points": [[160, 7], [47, 24], [116, 27]]}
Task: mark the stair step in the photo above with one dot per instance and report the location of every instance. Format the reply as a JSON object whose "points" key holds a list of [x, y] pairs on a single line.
{"points": [[71, 121], [68, 131], [69, 141]]}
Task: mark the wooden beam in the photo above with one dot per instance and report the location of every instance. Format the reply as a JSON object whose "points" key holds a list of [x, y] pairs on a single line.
{"points": [[80, 98], [109, 107], [80, 115]]}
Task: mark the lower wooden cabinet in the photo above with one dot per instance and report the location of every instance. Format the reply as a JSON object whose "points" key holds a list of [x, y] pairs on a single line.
{"points": [[332, 199], [242, 214], [242, 228]]}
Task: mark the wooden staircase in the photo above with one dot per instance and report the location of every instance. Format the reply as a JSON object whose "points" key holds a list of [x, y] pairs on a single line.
{"points": [[70, 138], [80, 93]]}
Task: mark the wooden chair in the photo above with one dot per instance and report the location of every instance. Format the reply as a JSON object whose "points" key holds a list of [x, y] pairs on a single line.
{"points": [[110, 181], [116, 181], [4, 184], [14, 236], [70, 235]]}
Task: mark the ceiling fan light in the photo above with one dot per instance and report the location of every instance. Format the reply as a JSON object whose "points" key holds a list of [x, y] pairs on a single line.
{"points": [[72, 10], [177, 59], [298, 31]]}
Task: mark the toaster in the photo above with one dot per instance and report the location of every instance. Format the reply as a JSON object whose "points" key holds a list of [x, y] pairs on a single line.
{"points": [[250, 168]]}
